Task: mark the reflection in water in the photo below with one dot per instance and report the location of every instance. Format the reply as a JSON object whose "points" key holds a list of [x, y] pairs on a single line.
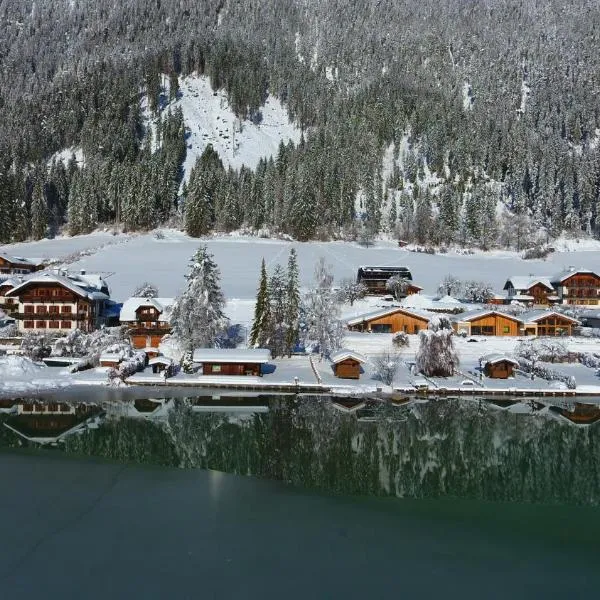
{"points": [[498, 450]]}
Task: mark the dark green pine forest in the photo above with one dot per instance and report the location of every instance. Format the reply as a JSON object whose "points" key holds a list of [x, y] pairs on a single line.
{"points": [[482, 104]]}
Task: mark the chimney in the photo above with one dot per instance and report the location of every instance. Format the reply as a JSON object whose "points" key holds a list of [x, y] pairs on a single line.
{"points": [[82, 272]]}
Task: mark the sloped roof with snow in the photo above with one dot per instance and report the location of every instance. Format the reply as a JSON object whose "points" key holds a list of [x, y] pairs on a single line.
{"points": [[533, 316], [525, 282], [384, 312], [563, 275], [18, 260], [491, 359], [345, 353], [131, 305], [477, 314], [160, 360], [232, 355], [45, 277]]}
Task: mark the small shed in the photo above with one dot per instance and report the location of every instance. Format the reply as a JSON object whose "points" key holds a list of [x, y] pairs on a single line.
{"points": [[346, 364], [498, 366], [160, 364], [111, 359], [231, 361]]}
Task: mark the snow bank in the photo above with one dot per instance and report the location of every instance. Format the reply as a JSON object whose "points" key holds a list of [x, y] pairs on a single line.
{"points": [[17, 367]]}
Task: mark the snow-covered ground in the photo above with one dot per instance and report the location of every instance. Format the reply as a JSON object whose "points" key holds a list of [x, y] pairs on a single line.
{"points": [[163, 260]]}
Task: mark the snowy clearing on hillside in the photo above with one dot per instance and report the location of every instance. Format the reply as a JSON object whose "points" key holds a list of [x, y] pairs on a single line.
{"points": [[65, 156], [209, 120]]}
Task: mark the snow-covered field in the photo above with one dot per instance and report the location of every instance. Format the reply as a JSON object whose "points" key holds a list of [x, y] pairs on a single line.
{"points": [[163, 259]]}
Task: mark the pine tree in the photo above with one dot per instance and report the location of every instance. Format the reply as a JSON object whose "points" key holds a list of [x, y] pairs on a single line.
{"points": [[260, 334], [292, 303], [277, 296], [39, 211], [197, 317]]}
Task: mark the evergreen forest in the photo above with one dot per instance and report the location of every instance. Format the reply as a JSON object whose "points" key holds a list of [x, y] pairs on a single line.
{"points": [[468, 122]]}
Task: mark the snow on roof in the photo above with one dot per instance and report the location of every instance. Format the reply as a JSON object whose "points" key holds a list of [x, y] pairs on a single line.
{"points": [[160, 360], [427, 302], [232, 355], [490, 359], [162, 305], [525, 297], [67, 282], [476, 314], [345, 353], [377, 269], [448, 300], [17, 260], [535, 315], [566, 273], [112, 356], [524, 282], [9, 281], [383, 312]]}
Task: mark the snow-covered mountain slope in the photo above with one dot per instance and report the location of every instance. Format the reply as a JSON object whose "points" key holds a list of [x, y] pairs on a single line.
{"points": [[209, 120]]}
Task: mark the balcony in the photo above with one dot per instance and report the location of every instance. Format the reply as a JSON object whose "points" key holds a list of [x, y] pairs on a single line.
{"points": [[80, 316]]}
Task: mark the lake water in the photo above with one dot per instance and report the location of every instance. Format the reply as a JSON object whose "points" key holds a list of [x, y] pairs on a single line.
{"points": [[80, 528], [153, 499]]}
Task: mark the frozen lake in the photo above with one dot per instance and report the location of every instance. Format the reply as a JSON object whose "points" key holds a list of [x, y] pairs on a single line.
{"points": [[91, 529], [164, 260]]}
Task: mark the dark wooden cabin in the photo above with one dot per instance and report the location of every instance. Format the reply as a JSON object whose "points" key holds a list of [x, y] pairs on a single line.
{"points": [[232, 361], [375, 278]]}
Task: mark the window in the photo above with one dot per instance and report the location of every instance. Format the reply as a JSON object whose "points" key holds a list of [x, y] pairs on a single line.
{"points": [[65, 325], [54, 325], [416, 328], [216, 368], [381, 328], [40, 310], [66, 309], [53, 310], [40, 324], [28, 309], [506, 329], [28, 324]]}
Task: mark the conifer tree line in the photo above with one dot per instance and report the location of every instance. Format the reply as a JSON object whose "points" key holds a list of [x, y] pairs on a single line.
{"points": [[481, 104], [277, 310]]}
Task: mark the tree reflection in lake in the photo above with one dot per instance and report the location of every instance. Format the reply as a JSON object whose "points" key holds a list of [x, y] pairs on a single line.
{"points": [[501, 450]]}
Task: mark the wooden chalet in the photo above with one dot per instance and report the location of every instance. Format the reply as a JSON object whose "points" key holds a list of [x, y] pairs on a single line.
{"points": [[487, 322], [346, 364], [577, 286], [375, 279], [573, 286], [59, 303], [547, 323], [231, 361], [8, 304], [535, 322], [531, 290], [17, 265], [390, 320], [148, 320], [498, 366]]}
